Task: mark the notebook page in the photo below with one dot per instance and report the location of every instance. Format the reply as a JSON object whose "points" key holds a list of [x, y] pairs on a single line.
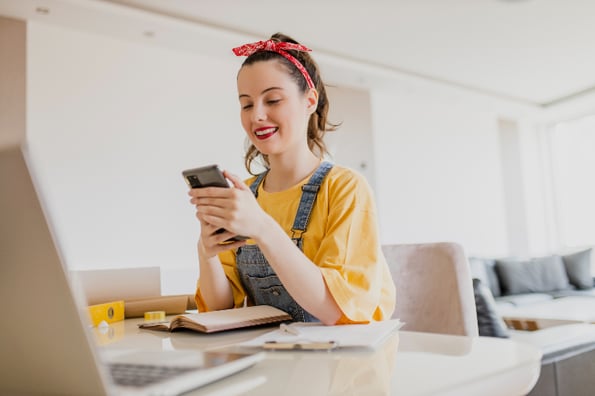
{"points": [[227, 317]]}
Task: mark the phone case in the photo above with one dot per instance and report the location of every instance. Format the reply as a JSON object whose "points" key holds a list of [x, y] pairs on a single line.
{"points": [[205, 176]]}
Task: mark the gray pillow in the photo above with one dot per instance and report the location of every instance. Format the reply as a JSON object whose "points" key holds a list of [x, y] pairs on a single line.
{"points": [[542, 274], [578, 268], [489, 322], [484, 270]]}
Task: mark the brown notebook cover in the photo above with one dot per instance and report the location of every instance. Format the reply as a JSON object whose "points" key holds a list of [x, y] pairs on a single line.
{"points": [[227, 319]]}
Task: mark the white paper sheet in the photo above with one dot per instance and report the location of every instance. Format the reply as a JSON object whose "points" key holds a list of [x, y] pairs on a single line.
{"points": [[353, 335]]}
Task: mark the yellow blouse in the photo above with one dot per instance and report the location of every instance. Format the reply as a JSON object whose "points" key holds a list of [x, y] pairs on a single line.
{"points": [[341, 238]]}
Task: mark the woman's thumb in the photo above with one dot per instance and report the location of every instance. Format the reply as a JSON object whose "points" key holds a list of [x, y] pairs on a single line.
{"points": [[236, 181]]}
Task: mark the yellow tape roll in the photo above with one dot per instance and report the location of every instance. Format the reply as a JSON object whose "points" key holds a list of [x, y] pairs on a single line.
{"points": [[155, 316]]}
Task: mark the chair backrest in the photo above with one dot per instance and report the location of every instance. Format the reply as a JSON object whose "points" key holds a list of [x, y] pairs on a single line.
{"points": [[434, 288]]}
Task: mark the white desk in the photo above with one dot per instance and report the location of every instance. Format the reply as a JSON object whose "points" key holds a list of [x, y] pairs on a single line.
{"points": [[407, 364]]}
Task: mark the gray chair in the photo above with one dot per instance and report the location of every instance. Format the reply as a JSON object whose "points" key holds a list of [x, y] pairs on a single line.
{"points": [[434, 288]]}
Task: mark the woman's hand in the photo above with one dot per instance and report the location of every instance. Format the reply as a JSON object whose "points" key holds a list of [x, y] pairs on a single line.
{"points": [[212, 242], [233, 209]]}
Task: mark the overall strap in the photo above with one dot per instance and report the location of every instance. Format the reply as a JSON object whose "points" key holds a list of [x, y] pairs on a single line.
{"points": [[256, 183], [309, 193]]}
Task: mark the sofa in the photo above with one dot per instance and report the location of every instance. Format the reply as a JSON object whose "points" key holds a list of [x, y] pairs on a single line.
{"points": [[506, 288], [518, 282]]}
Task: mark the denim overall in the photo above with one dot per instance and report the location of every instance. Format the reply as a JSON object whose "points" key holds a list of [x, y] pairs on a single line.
{"points": [[258, 278]]}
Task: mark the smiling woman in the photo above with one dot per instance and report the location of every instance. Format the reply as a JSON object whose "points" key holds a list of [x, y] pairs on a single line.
{"points": [[302, 76], [304, 215]]}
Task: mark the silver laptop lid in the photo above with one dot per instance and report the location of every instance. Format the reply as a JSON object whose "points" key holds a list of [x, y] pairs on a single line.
{"points": [[45, 345], [45, 348]]}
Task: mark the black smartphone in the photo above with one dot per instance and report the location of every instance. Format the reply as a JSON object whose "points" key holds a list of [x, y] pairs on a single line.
{"points": [[205, 176], [209, 176]]}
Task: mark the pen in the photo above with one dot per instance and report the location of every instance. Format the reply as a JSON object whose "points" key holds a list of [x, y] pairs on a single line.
{"points": [[307, 346], [289, 329]]}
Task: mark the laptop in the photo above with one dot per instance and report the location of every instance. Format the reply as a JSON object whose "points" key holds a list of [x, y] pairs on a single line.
{"points": [[45, 341]]}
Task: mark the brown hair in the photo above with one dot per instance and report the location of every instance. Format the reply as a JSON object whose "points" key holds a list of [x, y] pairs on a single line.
{"points": [[318, 124]]}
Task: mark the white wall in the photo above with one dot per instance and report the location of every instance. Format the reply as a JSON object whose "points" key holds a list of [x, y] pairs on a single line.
{"points": [[111, 124], [438, 171], [352, 144]]}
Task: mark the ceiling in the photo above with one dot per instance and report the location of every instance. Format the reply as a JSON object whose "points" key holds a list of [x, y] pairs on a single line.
{"points": [[537, 52]]}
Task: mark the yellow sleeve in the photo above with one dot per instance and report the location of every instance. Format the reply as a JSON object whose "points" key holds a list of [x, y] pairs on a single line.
{"points": [[350, 258], [228, 261]]}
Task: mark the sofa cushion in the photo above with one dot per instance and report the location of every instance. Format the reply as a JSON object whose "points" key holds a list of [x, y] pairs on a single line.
{"points": [[484, 270], [578, 268], [490, 323], [542, 274]]}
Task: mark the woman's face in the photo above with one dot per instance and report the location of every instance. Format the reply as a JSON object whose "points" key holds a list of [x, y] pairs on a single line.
{"points": [[274, 112]]}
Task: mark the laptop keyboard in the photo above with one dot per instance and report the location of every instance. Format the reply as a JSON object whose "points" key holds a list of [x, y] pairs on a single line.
{"points": [[139, 375]]}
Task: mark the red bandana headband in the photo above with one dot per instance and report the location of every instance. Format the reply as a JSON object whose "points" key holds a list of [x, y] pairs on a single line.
{"points": [[279, 47]]}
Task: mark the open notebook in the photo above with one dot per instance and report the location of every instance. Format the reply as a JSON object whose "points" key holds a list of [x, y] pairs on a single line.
{"points": [[45, 343]]}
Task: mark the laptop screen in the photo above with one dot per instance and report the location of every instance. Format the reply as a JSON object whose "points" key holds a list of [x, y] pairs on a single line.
{"points": [[44, 337]]}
